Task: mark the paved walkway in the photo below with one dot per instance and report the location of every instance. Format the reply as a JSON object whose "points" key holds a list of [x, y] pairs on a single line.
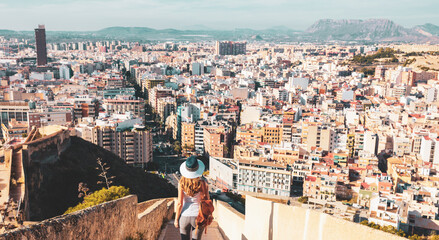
{"points": [[5, 179], [172, 233]]}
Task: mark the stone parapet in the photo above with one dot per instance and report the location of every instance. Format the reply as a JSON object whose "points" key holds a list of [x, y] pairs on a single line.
{"points": [[118, 219]]}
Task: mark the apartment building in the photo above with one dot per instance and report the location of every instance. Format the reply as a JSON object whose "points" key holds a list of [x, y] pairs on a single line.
{"points": [[249, 135], [430, 149], [136, 107], [149, 84], [269, 178], [134, 147], [156, 93], [230, 48], [49, 117], [165, 107], [14, 130], [14, 110], [224, 172], [217, 141], [319, 136], [188, 136], [199, 138], [272, 134], [320, 187]]}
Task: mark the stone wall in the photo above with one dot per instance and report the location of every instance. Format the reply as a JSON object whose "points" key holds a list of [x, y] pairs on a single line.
{"points": [[150, 221], [35, 154], [230, 222], [48, 148], [141, 207], [268, 220], [118, 219]]}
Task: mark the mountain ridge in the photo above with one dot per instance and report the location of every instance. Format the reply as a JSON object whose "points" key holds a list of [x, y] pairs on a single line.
{"points": [[323, 30], [375, 30]]}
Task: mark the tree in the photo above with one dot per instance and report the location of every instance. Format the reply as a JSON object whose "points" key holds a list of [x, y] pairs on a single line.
{"points": [[83, 190], [101, 196], [303, 199], [104, 173], [177, 147]]}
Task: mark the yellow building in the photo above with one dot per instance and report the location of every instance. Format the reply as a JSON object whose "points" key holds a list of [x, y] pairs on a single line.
{"points": [[247, 135], [272, 135], [288, 156], [187, 136]]}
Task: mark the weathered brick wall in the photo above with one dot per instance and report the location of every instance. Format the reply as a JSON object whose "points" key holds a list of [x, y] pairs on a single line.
{"points": [[150, 221], [141, 207], [118, 219], [112, 220]]}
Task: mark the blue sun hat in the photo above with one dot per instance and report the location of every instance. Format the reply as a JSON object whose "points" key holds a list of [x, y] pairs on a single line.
{"points": [[192, 168]]}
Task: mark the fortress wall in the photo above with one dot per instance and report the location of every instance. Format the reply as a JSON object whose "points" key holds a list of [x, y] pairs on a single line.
{"points": [[116, 219], [150, 221], [230, 222], [47, 148], [268, 220]]}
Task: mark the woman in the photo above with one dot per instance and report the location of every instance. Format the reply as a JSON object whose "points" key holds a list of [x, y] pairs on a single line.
{"points": [[191, 189]]}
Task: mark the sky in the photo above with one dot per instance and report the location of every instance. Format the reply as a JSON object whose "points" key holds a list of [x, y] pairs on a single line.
{"points": [[89, 15]]}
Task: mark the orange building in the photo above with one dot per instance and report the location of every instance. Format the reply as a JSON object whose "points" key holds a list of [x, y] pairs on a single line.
{"points": [[247, 135], [272, 134], [216, 141], [187, 136]]}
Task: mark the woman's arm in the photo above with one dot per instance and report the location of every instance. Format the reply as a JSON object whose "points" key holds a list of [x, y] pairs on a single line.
{"points": [[179, 206]]}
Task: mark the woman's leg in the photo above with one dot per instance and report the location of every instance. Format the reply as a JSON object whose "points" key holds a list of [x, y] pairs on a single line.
{"points": [[185, 228], [196, 233]]}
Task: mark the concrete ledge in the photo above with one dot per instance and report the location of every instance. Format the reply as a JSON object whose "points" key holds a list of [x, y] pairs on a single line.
{"points": [[230, 221]]}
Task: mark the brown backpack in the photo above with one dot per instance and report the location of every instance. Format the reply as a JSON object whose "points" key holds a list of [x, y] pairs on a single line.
{"points": [[205, 216]]}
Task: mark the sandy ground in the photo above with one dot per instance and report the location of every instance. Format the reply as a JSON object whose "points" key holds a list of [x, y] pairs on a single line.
{"points": [[431, 62]]}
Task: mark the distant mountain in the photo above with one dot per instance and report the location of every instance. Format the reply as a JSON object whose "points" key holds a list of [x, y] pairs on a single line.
{"points": [[369, 30], [375, 30], [125, 30], [198, 27], [197, 33], [428, 29]]}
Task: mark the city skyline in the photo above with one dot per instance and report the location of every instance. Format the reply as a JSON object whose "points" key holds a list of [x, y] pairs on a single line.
{"points": [[218, 15]]}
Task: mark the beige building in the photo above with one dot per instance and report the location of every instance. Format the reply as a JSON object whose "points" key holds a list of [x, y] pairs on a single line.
{"points": [[134, 147], [216, 141], [187, 136], [137, 107], [272, 134], [320, 137], [156, 93], [14, 129], [264, 177], [165, 107]]}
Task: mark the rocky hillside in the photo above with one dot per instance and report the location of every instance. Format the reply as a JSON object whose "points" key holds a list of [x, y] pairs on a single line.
{"points": [[57, 188], [428, 29], [375, 30]]}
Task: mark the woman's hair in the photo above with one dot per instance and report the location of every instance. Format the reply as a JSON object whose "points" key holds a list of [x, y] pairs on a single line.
{"points": [[191, 186]]}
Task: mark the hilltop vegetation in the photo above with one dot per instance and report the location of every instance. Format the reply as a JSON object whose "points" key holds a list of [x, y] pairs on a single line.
{"points": [[381, 53], [101, 196]]}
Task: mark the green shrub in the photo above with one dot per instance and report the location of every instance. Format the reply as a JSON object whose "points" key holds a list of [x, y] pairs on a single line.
{"points": [[101, 196], [303, 199]]}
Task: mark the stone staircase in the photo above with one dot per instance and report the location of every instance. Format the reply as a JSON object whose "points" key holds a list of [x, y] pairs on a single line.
{"points": [[169, 232]]}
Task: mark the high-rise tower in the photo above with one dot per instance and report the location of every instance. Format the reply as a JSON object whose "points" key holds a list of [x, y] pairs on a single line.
{"points": [[40, 44]]}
